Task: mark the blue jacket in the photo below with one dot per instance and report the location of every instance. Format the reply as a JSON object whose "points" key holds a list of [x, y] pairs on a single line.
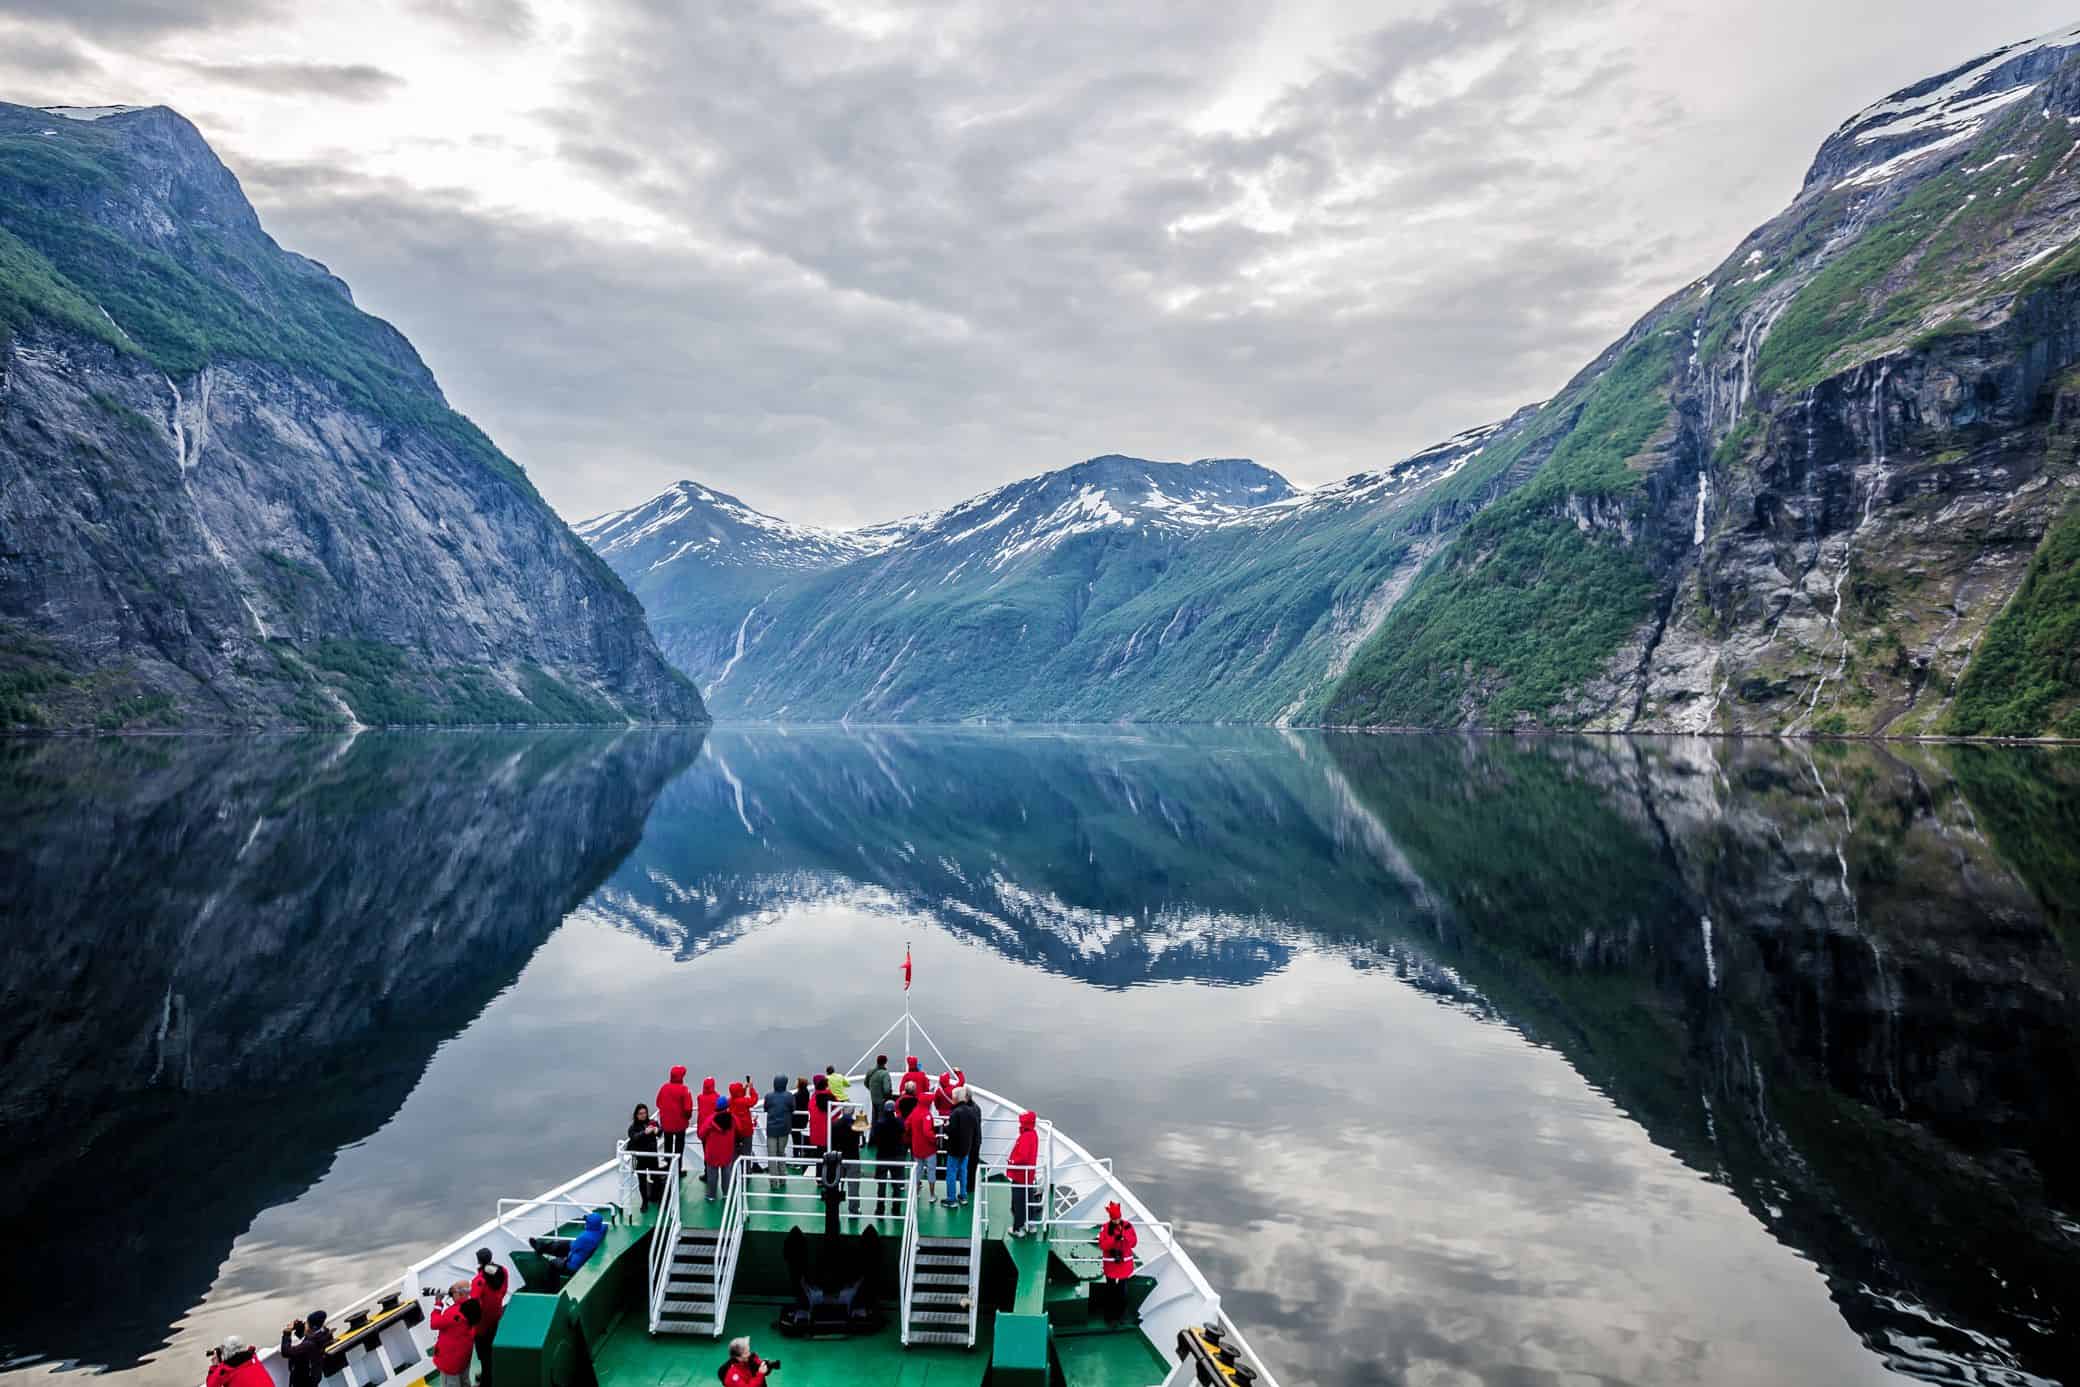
{"points": [[779, 1111], [586, 1242]]}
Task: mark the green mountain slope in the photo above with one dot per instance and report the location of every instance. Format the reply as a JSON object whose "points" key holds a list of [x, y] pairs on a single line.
{"points": [[229, 497]]}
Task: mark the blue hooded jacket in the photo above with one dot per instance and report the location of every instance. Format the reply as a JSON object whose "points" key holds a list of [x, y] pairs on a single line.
{"points": [[586, 1242]]}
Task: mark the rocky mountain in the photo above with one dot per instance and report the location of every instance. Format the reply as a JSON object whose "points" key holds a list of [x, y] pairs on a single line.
{"points": [[1117, 588], [743, 556], [229, 497], [1826, 488]]}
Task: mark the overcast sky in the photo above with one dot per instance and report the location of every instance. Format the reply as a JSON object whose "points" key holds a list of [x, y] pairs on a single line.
{"points": [[849, 259]]}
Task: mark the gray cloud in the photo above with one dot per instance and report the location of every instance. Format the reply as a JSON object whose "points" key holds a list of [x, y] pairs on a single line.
{"points": [[906, 251], [504, 19], [345, 81], [116, 20]]}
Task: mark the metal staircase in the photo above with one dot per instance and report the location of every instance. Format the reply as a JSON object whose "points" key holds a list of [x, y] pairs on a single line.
{"points": [[942, 1293], [691, 1304]]}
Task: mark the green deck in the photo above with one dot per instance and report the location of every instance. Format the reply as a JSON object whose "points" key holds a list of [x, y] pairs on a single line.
{"points": [[1030, 1327]]}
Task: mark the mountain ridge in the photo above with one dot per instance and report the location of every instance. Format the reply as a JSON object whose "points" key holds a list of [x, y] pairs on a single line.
{"points": [[1824, 488], [228, 497]]}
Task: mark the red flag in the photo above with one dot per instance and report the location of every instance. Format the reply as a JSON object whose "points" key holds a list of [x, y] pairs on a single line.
{"points": [[906, 967]]}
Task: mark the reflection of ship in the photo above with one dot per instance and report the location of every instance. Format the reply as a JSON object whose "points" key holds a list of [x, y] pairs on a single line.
{"points": [[201, 932], [893, 1287]]}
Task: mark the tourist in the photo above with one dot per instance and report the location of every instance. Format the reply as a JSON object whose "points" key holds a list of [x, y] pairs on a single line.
{"points": [[306, 1354], [674, 1112], [963, 1143], [1023, 1171], [820, 1117], [454, 1323], [924, 1144], [942, 1104], [745, 1368], [237, 1364], [847, 1131], [891, 1153], [779, 1126], [1116, 1241], [488, 1290], [801, 1115], [741, 1097], [641, 1144], [704, 1105], [718, 1152], [566, 1255], [914, 1081], [840, 1086], [881, 1085]]}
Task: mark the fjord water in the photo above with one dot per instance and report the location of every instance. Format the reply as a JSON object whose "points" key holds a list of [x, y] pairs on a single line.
{"points": [[1453, 1060]]}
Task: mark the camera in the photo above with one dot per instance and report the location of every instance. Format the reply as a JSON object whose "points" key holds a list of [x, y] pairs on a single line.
{"points": [[432, 1292]]}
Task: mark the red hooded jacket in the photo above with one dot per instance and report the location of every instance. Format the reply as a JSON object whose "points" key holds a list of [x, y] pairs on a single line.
{"points": [[820, 1113], [751, 1374], [719, 1139], [674, 1102], [249, 1372], [1023, 1167], [924, 1138], [706, 1103], [490, 1299], [1117, 1247], [740, 1110], [948, 1082], [455, 1336], [915, 1081]]}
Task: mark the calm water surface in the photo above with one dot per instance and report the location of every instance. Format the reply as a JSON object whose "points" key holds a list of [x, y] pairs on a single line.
{"points": [[1454, 1061]]}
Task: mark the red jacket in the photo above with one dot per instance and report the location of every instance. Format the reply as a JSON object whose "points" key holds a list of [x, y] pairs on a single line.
{"points": [[248, 1371], [719, 1139], [948, 1082], [820, 1117], [218, 1375], [490, 1299], [924, 1138], [1022, 1169], [1117, 1245], [750, 1374], [455, 1336], [740, 1110], [708, 1101], [674, 1102]]}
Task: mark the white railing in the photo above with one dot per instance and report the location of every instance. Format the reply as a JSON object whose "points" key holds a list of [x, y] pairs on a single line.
{"points": [[508, 1207], [908, 1264], [664, 1240], [978, 1222], [730, 1241]]}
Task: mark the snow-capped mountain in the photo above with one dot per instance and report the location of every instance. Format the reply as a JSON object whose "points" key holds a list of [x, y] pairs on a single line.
{"points": [[1093, 591]]}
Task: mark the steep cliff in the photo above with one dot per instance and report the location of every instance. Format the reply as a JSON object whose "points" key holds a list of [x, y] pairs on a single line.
{"points": [[1828, 488], [229, 497]]}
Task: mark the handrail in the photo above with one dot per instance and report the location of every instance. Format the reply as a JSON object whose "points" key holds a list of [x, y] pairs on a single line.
{"points": [[909, 1258], [539, 1202], [664, 1240], [976, 1224], [734, 1214]]}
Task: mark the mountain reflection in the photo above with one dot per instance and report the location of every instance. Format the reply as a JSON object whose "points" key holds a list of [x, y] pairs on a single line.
{"points": [[203, 936], [1835, 978]]}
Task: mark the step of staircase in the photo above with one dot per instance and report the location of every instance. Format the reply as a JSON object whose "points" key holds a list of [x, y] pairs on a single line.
{"points": [[951, 1299], [918, 1317], [685, 1326], [941, 1259], [939, 1278], [937, 1336], [704, 1311]]}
